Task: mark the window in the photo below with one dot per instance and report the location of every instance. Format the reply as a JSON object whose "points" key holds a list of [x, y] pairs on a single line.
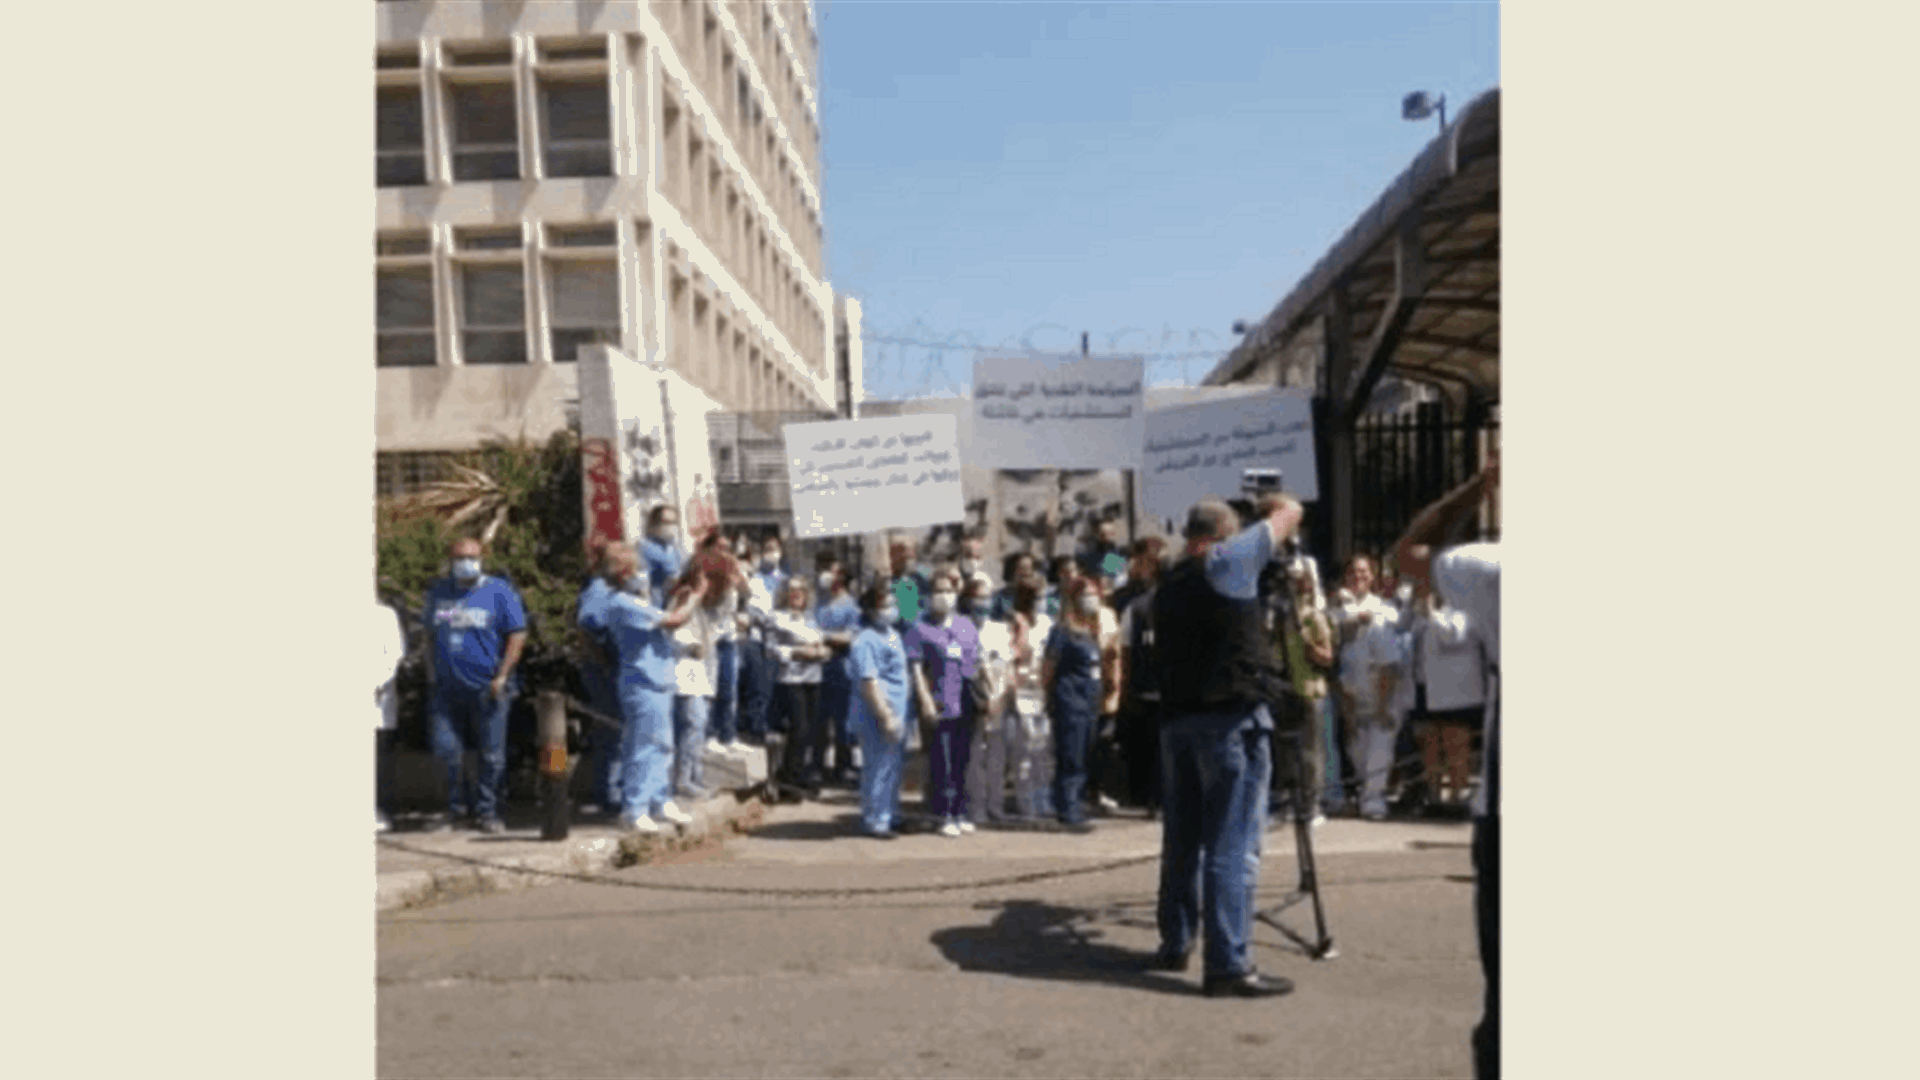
{"points": [[585, 299], [581, 235], [405, 472], [403, 318], [493, 310], [403, 243], [580, 49], [579, 125], [486, 239], [486, 142], [400, 153]]}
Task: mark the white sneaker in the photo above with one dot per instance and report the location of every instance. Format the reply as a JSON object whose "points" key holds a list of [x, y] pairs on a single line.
{"points": [[715, 746], [674, 814], [966, 826], [641, 824], [738, 748], [1319, 819], [950, 830]]}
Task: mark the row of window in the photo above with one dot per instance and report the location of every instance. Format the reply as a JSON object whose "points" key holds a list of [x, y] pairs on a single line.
{"points": [[483, 130], [488, 297], [695, 29]]}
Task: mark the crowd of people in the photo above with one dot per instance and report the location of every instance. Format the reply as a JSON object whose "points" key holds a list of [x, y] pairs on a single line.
{"points": [[1031, 694]]}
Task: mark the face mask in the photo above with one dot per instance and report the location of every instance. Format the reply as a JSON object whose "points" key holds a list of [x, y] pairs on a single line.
{"points": [[770, 559], [638, 586], [978, 607], [666, 533], [826, 583], [1089, 604], [889, 615], [466, 569], [942, 602]]}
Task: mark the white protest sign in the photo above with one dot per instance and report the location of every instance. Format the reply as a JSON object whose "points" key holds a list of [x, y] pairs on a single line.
{"points": [[1035, 412], [887, 472], [1198, 450]]}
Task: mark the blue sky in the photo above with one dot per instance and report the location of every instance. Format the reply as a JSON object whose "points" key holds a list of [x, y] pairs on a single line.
{"points": [[998, 171]]}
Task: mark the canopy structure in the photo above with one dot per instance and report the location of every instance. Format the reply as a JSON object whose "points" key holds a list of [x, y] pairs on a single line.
{"points": [[1411, 290], [1413, 286]]}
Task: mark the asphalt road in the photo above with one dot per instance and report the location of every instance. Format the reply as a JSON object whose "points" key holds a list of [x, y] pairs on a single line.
{"points": [[1029, 980]]}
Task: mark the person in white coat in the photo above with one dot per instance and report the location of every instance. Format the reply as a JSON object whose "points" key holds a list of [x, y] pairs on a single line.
{"points": [[389, 648], [1373, 664]]}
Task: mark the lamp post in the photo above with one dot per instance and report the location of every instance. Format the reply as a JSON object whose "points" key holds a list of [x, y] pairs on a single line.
{"points": [[1419, 105]]}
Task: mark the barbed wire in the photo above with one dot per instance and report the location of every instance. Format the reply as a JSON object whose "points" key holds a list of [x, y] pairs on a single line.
{"points": [[919, 359]]}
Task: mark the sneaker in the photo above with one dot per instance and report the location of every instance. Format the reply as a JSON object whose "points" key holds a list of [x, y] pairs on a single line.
{"points": [[381, 824], [737, 748], [715, 746], [1319, 819], [1107, 805], [641, 824], [493, 825], [440, 823], [966, 826], [950, 829], [674, 814], [1249, 985]]}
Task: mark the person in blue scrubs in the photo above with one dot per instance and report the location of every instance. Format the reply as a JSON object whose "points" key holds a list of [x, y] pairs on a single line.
{"points": [[838, 617], [1070, 674], [476, 627], [661, 548], [602, 758], [878, 665], [642, 638]]}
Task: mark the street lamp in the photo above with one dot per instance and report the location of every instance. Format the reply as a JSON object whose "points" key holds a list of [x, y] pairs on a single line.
{"points": [[1419, 105]]}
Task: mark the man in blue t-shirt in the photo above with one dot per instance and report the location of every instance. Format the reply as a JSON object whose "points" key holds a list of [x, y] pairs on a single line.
{"points": [[476, 629]]}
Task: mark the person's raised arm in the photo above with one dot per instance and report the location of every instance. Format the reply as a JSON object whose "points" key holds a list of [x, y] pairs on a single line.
{"points": [[1431, 526]]}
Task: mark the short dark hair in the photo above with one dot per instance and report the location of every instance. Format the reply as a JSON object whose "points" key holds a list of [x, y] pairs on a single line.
{"points": [[660, 510], [1210, 519], [875, 596], [1149, 545], [1007, 564]]}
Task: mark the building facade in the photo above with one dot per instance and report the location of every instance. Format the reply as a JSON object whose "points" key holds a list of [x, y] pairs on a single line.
{"points": [[644, 175]]}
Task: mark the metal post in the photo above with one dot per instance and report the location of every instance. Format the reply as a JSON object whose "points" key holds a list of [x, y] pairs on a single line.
{"points": [[556, 805]]}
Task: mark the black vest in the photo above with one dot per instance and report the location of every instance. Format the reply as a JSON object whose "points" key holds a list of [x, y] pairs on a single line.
{"points": [[1143, 677], [1211, 652]]}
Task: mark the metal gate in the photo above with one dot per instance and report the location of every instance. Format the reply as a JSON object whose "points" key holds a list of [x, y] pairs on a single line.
{"points": [[1406, 461]]}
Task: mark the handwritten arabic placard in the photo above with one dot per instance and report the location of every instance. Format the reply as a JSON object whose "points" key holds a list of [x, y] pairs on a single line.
{"points": [[1197, 450], [1033, 412], [886, 472]]}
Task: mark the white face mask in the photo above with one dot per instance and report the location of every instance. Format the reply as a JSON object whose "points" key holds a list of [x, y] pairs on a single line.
{"points": [[466, 569], [826, 583], [941, 603], [1089, 604]]}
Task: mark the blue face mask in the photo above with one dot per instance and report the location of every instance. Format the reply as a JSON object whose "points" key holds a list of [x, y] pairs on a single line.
{"points": [[889, 615], [638, 587], [466, 569]]}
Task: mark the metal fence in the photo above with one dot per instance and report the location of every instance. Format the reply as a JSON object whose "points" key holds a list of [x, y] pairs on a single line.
{"points": [[1404, 462]]}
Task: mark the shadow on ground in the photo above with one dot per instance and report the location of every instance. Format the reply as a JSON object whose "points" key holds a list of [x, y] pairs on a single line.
{"points": [[1031, 939]]}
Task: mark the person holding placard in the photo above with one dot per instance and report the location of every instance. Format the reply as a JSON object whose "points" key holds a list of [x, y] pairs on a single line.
{"points": [[878, 665], [838, 617]]}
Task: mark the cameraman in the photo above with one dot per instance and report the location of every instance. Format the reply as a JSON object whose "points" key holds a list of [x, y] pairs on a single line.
{"points": [[1217, 672]]}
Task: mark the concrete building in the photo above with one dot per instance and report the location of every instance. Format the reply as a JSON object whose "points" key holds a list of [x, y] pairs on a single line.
{"points": [[644, 175]]}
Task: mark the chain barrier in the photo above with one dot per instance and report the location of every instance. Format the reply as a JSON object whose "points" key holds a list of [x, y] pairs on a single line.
{"points": [[791, 892]]}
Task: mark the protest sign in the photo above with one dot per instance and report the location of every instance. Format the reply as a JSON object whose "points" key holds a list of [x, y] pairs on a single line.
{"points": [[891, 472], [1197, 450], [1034, 412]]}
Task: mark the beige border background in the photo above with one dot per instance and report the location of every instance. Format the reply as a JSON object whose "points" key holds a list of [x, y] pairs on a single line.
{"points": [[1707, 235]]}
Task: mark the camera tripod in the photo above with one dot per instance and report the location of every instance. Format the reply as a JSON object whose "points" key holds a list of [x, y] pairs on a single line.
{"points": [[1290, 765]]}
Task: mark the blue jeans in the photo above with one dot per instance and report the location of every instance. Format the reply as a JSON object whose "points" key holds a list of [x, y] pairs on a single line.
{"points": [[880, 766], [690, 743], [756, 689], [605, 746], [726, 695], [1072, 740], [1215, 772], [836, 698], [459, 717], [646, 748]]}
